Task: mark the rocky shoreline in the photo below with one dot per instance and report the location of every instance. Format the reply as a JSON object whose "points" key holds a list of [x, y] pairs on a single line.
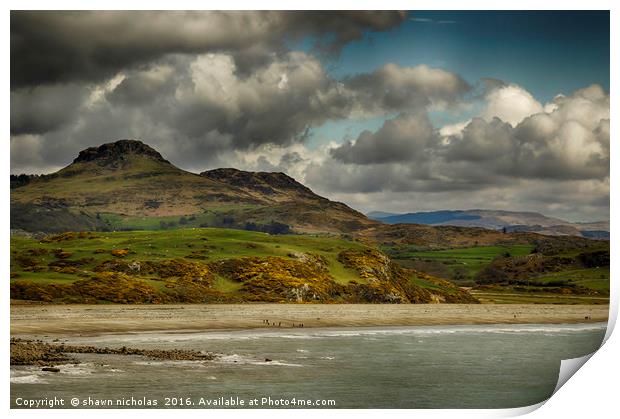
{"points": [[37, 352]]}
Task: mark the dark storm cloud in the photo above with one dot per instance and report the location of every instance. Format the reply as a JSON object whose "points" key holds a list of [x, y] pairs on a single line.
{"points": [[60, 46], [140, 88], [36, 110]]}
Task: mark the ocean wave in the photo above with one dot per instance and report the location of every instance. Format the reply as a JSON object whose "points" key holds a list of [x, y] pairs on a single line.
{"points": [[373, 334], [170, 362], [78, 369], [28, 378], [34, 375], [163, 339]]}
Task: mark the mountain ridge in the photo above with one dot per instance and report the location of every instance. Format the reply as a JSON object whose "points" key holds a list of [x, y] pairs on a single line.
{"points": [[510, 221]]}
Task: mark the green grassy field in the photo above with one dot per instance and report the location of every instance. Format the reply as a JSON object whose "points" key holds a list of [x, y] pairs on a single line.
{"points": [[200, 244], [592, 278], [209, 217], [461, 264]]}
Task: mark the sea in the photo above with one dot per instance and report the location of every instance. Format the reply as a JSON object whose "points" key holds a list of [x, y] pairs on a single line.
{"points": [[481, 366]]}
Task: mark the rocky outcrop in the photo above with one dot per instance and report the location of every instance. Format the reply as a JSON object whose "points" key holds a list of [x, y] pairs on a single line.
{"points": [[36, 352], [118, 150], [388, 282], [264, 182], [278, 279]]}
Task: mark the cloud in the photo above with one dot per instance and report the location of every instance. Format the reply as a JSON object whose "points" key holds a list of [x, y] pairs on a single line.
{"points": [[275, 104], [200, 83], [510, 103], [404, 138], [427, 20], [40, 109], [141, 86], [200, 106], [393, 88], [481, 163], [62, 46]]}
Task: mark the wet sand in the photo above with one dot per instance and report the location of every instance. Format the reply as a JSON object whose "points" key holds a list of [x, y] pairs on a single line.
{"points": [[67, 320]]}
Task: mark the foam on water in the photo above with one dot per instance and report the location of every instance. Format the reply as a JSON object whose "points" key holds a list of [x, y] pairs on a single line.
{"points": [[35, 375], [369, 332], [171, 362], [83, 369], [27, 378]]}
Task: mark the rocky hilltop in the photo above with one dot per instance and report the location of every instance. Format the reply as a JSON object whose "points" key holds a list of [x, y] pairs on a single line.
{"points": [[117, 151]]}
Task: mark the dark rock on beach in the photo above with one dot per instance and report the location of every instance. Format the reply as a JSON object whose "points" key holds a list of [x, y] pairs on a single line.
{"points": [[36, 352]]}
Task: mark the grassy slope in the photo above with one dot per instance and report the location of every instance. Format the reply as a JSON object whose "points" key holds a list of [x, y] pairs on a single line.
{"points": [[210, 244], [88, 187]]}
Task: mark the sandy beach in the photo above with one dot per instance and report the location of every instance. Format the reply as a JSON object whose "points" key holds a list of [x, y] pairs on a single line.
{"points": [[51, 320]]}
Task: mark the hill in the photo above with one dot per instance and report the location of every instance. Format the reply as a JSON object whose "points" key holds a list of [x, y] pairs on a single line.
{"points": [[128, 185], [510, 221], [214, 265]]}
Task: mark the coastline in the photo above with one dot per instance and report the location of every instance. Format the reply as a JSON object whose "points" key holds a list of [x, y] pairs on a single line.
{"points": [[85, 320]]}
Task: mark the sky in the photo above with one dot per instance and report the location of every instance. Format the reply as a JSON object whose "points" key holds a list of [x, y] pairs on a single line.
{"points": [[389, 111]]}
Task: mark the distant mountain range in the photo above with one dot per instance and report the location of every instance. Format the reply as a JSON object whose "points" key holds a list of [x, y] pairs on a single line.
{"points": [[508, 221]]}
